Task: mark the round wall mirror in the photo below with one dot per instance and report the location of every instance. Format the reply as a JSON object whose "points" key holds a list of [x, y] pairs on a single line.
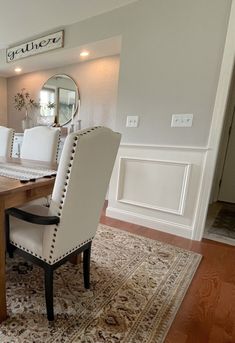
{"points": [[59, 100]]}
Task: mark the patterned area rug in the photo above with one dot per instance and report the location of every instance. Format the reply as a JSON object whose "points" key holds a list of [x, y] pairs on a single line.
{"points": [[224, 224], [137, 286]]}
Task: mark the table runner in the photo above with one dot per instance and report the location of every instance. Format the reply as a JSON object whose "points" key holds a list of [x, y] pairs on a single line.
{"points": [[24, 173]]}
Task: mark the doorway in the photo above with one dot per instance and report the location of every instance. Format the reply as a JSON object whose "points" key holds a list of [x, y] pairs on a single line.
{"points": [[220, 223]]}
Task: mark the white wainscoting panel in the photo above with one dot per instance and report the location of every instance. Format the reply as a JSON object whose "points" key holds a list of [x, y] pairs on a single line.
{"points": [[157, 187], [148, 183]]}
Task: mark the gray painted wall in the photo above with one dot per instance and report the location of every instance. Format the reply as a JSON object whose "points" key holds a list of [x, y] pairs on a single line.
{"points": [[3, 101], [170, 62]]}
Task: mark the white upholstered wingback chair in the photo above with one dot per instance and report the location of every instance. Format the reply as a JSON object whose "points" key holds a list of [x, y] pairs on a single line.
{"points": [[50, 236], [6, 141], [40, 143]]}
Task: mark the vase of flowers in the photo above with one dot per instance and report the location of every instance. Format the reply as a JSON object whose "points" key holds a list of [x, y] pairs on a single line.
{"points": [[24, 102]]}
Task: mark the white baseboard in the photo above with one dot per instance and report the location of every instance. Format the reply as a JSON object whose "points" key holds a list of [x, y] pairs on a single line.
{"points": [[153, 223]]}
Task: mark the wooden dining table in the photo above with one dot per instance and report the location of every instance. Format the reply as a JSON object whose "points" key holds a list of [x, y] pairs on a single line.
{"points": [[15, 193]]}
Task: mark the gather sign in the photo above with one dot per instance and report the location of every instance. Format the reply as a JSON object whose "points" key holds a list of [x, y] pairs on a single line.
{"points": [[36, 46]]}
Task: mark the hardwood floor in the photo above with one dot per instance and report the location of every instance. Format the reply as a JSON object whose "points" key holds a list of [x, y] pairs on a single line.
{"points": [[207, 314]]}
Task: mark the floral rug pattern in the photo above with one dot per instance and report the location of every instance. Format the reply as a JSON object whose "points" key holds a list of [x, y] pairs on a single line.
{"points": [[137, 286]]}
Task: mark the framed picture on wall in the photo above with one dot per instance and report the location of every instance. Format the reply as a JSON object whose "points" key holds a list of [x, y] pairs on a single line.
{"points": [[66, 103]]}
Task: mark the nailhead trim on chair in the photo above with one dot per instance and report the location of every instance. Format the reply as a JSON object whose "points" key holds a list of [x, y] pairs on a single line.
{"points": [[71, 250], [58, 147], [12, 142], [74, 145], [46, 260], [51, 260]]}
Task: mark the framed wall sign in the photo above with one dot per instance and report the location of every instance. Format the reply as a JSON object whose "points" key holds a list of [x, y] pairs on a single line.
{"points": [[36, 46]]}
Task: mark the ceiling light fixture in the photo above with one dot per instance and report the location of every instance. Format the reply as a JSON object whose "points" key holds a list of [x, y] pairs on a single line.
{"points": [[84, 53], [18, 70]]}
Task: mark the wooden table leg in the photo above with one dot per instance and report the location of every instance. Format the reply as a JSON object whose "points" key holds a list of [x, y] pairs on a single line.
{"points": [[3, 307], [77, 259]]}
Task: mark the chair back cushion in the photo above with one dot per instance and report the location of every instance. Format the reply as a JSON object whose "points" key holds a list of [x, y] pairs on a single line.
{"points": [[81, 184], [40, 143], [6, 141]]}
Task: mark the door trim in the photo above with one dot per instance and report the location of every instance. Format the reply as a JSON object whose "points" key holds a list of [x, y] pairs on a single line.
{"points": [[227, 142], [218, 118]]}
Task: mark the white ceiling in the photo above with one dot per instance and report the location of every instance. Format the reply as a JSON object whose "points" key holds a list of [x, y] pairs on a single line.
{"points": [[23, 19]]}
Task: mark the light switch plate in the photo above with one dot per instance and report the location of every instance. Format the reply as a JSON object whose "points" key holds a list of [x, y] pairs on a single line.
{"points": [[182, 120], [132, 121]]}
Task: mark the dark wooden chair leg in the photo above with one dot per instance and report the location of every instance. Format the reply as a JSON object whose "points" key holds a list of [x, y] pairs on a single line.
{"points": [[10, 249], [49, 292], [49, 270], [86, 266]]}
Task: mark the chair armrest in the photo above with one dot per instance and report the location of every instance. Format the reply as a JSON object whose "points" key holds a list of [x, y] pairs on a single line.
{"points": [[32, 218]]}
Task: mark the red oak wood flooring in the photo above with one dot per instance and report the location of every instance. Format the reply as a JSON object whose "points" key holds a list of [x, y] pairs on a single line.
{"points": [[207, 314]]}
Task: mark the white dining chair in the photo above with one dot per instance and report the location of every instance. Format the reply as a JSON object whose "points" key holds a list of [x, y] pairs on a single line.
{"points": [[50, 236], [6, 141], [40, 143]]}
